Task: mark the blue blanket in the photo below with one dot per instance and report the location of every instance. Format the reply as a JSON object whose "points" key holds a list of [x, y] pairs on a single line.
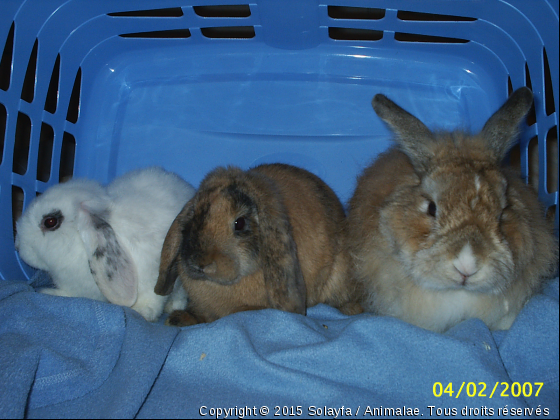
{"points": [[71, 357]]}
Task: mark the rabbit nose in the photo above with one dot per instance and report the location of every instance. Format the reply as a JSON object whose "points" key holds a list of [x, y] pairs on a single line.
{"points": [[464, 276], [203, 264], [466, 263], [210, 269], [207, 263]]}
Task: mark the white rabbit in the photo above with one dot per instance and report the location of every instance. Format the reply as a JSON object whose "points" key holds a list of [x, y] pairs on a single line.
{"points": [[105, 243]]}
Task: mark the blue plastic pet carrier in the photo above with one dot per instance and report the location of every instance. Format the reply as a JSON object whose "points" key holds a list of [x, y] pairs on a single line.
{"points": [[97, 88]]}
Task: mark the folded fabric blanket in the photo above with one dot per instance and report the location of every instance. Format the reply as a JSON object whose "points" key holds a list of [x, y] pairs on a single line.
{"points": [[72, 357]]}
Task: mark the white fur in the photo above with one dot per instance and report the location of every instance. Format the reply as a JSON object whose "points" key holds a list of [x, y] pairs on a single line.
{"points": [[138, 209], [466, 263], [437, 310]]}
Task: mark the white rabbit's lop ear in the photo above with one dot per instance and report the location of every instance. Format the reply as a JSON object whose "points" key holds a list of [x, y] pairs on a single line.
{"points": [[110, 264]]}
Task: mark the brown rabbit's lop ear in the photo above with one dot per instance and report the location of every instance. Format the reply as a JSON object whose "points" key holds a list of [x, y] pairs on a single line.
{"points": [[415, 139], [168, 266], [502, 128], [283, 277]]}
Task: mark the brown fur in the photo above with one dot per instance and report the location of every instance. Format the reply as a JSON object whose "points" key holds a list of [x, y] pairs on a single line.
{"points": [[292, 257], [404, 256]]}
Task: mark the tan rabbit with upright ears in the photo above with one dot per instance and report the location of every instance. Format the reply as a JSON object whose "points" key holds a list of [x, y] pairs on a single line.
{"points": [[269, 237], [440, 231]]}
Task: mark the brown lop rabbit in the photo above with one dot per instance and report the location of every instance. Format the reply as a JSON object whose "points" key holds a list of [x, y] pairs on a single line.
{"points": [[269, 237], [441, 232]]}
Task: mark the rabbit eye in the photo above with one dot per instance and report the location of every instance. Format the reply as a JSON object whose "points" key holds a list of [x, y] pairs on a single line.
{"points": [[51, 222], [239, 224], [432, 209]]}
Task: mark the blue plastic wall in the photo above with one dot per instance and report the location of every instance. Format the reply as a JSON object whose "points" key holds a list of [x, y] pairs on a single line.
{"points": [[290, 90]]}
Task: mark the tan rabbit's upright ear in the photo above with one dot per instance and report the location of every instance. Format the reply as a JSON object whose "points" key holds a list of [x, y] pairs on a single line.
{"points": [[283, 278], [414, 138], [168, 266], [502, 128]]}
